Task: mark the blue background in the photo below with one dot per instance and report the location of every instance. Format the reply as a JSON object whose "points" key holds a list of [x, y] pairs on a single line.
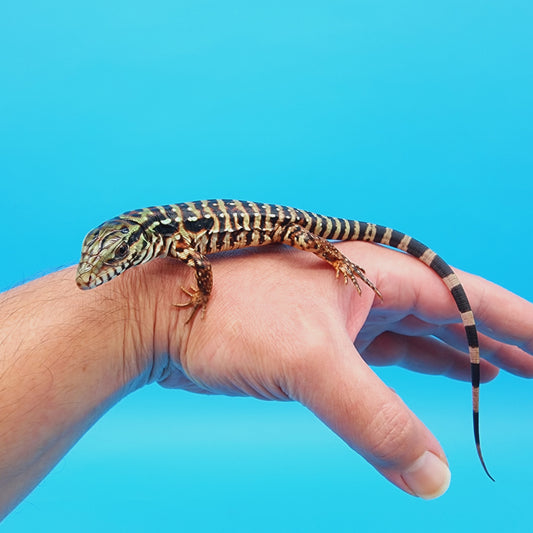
{"points": [[412, 114]]}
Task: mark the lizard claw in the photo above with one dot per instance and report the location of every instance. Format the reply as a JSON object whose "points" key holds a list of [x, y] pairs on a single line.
{"points": [[197, 301], [352, 271]]}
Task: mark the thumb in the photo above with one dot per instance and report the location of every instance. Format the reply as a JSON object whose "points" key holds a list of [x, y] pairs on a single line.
{"points": [[346, 395]]}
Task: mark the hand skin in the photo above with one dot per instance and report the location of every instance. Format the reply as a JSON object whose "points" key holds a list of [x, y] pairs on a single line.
{"points": [[278, 326]]}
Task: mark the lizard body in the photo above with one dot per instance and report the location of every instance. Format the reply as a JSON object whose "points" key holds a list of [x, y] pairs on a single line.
{"points": [[190, 231]]}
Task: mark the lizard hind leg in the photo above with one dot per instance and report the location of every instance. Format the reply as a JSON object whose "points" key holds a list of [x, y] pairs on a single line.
{"points": [[352, 271], [298, 237]]}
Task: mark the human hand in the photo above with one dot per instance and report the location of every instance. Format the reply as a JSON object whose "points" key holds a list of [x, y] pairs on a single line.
{"points": [[280, 326]]}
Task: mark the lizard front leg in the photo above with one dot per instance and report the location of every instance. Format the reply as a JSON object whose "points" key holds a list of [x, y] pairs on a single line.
{"points": [[199, 295]]}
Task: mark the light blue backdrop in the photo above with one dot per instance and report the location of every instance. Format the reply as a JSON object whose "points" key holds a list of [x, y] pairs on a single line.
{"points": [[412, 114]]}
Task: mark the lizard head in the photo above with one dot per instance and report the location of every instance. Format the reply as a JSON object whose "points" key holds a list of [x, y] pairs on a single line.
{"points": [[108, 250]]}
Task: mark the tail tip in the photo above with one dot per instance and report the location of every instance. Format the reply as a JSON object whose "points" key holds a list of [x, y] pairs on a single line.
{"points": [[480, 455]]}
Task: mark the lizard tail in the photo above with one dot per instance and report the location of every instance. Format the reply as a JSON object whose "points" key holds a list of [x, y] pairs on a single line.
{"points": [[351, 230]]}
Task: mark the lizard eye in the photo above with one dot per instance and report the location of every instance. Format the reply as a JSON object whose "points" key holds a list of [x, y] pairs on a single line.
{"points": [[122, 251]]}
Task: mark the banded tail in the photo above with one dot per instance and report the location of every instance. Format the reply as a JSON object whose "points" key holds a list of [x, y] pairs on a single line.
{"points": [[350, 230]]}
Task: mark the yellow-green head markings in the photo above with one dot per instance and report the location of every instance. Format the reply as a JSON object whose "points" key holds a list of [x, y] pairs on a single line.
{"points": [[108, 250]]}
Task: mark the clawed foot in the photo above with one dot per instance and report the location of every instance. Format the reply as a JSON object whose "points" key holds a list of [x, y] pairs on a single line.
{"points": [[197, 301], [351, 271]]}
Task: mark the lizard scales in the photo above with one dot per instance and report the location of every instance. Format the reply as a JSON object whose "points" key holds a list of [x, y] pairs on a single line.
{"points": [[191, 230]]}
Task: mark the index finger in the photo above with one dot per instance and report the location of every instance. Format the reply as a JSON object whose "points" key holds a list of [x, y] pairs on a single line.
{"points": [[501, 314], [409, 286]]}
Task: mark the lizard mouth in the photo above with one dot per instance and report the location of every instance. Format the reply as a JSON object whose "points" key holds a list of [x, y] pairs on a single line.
{"points": [[85, 279]]}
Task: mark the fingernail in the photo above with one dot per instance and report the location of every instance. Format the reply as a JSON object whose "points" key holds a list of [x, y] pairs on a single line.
{"points": [[428, 477]]}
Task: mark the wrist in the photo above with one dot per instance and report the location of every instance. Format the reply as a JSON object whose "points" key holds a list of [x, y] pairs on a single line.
{"points": [[153, 325]]}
